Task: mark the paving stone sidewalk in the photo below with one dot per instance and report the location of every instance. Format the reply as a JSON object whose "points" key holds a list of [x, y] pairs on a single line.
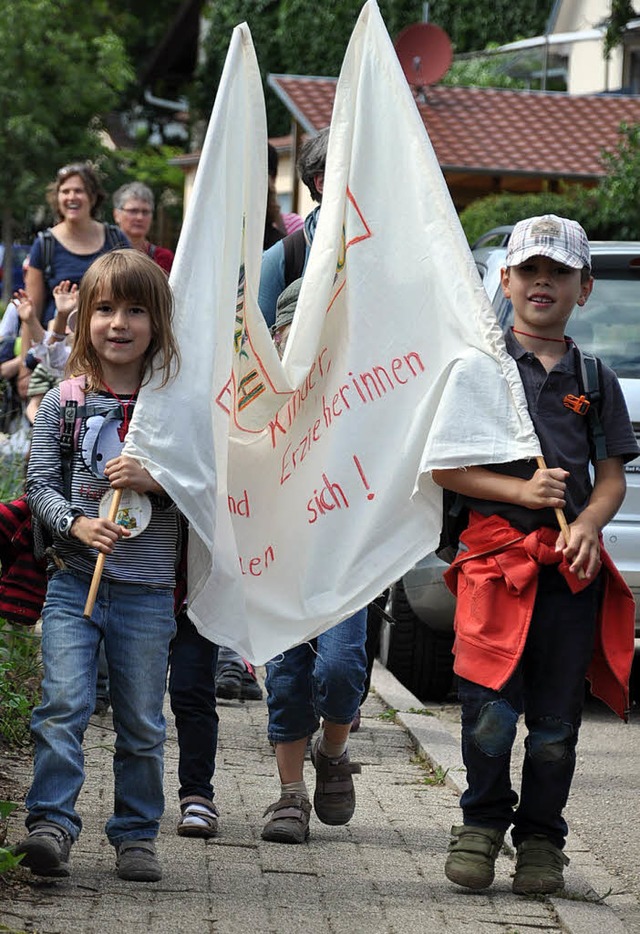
{"points": [[381, 874]]}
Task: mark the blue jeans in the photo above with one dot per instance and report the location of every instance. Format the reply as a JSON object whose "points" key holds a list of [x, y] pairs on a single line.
{"points": [[548, 686], [137, 625], [322, 679], [192, 691]]}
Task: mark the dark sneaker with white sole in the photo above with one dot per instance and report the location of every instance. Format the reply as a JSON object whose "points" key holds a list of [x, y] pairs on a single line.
{"points": [[198, 818], [46, 850]]}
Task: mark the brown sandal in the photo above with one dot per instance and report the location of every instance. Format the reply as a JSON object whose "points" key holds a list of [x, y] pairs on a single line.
{"points": [[199, 817], [334, 800], [290, 821]]}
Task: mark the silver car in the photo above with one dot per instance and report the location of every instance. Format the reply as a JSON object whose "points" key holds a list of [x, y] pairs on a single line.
{"points": [[417, 646]]}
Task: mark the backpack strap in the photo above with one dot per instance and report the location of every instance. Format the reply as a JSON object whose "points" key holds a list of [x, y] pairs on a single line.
{"points": [[114, 238], [295, 252], [72, 395], [589, 382], [46, 245]]}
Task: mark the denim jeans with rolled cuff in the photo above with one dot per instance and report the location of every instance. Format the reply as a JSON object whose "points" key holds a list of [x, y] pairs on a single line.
{"points": [[548, 687], [321, 679], [192, 691], [137, 624]]}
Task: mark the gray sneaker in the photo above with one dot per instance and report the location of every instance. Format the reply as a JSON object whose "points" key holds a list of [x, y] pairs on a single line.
{"points": [[136, 861], [46, 850], [472, 856], [539, 867]]}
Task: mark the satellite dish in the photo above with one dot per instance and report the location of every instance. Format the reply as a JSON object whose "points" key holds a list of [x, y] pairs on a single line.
{"points": [[425, 53]]}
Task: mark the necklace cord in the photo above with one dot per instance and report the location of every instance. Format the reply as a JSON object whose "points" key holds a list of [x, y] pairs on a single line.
{"points": [[555, 340]]}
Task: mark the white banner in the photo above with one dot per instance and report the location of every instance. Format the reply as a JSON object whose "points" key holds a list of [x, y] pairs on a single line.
{"points": [[317, 457]]}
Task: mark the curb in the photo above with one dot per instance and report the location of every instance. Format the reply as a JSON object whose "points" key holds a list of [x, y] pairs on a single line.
{"points": [[578, 914]]}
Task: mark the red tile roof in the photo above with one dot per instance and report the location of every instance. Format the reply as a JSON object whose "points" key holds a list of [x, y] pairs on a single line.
{"points": [[494, 131]]}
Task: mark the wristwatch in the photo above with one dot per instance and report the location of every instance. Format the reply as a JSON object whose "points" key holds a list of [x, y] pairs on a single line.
{"points": [[64, 524]]}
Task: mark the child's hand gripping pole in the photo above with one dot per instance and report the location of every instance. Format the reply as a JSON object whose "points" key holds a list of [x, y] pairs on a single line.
{"points": [[560, 516], [97, 574]]}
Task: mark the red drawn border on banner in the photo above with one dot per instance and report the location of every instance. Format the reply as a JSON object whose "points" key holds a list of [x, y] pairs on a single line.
{"points": [[368, 233], [264, 373]]}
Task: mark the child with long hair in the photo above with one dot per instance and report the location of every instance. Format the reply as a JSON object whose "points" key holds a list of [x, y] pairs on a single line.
{"points": [[123, 335]]}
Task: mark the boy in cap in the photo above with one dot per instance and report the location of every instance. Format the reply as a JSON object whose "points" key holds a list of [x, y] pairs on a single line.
{"points": [[536, 612]]}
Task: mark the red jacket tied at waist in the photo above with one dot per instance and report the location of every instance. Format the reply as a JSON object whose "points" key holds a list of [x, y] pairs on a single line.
{"points": [[496, 582]]}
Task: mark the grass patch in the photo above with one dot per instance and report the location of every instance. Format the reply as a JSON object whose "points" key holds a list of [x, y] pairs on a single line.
{"points": [[423, 711], [388, 714]]}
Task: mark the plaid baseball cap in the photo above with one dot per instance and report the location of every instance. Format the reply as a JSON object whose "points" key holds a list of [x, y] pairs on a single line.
{"points": [[559, 238]]}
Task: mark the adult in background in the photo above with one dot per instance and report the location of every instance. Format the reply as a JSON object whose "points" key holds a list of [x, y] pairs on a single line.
{"points": [[277, 224], [133, 206], [286, 260], [66, 250]]}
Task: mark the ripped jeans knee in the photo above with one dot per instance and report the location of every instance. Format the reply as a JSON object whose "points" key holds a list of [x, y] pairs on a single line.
{"points": [[495, 728], [550, 740]]}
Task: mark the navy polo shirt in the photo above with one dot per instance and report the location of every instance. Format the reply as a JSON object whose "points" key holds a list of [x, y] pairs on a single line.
{"points": [[563, 434]]}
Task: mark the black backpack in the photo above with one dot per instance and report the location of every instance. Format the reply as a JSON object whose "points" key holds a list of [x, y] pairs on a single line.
{"points": [[455, 514], [295, 252]]}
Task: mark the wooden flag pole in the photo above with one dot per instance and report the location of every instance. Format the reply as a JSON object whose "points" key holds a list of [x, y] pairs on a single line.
{"points": [[97, 574], [560, 516]]}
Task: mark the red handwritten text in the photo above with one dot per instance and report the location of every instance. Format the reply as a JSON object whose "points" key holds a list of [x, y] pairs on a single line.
{"points": [[239, 507], [256, 565], [331, 496]]}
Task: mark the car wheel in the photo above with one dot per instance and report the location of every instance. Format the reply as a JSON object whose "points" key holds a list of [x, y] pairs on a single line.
{"points": [[417, 655]]}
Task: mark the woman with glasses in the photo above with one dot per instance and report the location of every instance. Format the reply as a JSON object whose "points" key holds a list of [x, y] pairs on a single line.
{"points": [[66, 250], [133, 213]]}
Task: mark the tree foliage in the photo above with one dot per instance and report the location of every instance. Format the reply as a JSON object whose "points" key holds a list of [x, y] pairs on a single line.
{"points": [[621, 12], [481, 73], [61, 65], [305, 37], [618, 202], [474, 26]]}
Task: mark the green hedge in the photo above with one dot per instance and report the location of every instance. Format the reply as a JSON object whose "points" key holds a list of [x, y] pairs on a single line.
{"points": [[496, 210]]}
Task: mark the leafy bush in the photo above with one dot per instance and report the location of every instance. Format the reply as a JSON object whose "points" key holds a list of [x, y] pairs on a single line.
{"points": [[618, 202], [7, 859], [19, 681]]}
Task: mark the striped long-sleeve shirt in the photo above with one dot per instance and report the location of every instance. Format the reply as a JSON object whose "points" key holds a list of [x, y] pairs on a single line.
{"points": [[150, 558]]}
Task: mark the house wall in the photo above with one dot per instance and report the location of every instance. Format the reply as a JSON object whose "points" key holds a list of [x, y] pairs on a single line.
{"points": [[588, 72]]}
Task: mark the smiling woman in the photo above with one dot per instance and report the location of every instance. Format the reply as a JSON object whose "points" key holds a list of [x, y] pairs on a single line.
{"points": [[67, 250]]}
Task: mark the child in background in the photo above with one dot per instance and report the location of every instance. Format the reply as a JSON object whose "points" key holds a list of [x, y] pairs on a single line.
{"points": [[46, 351], [123, 334], [537, 609]]}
